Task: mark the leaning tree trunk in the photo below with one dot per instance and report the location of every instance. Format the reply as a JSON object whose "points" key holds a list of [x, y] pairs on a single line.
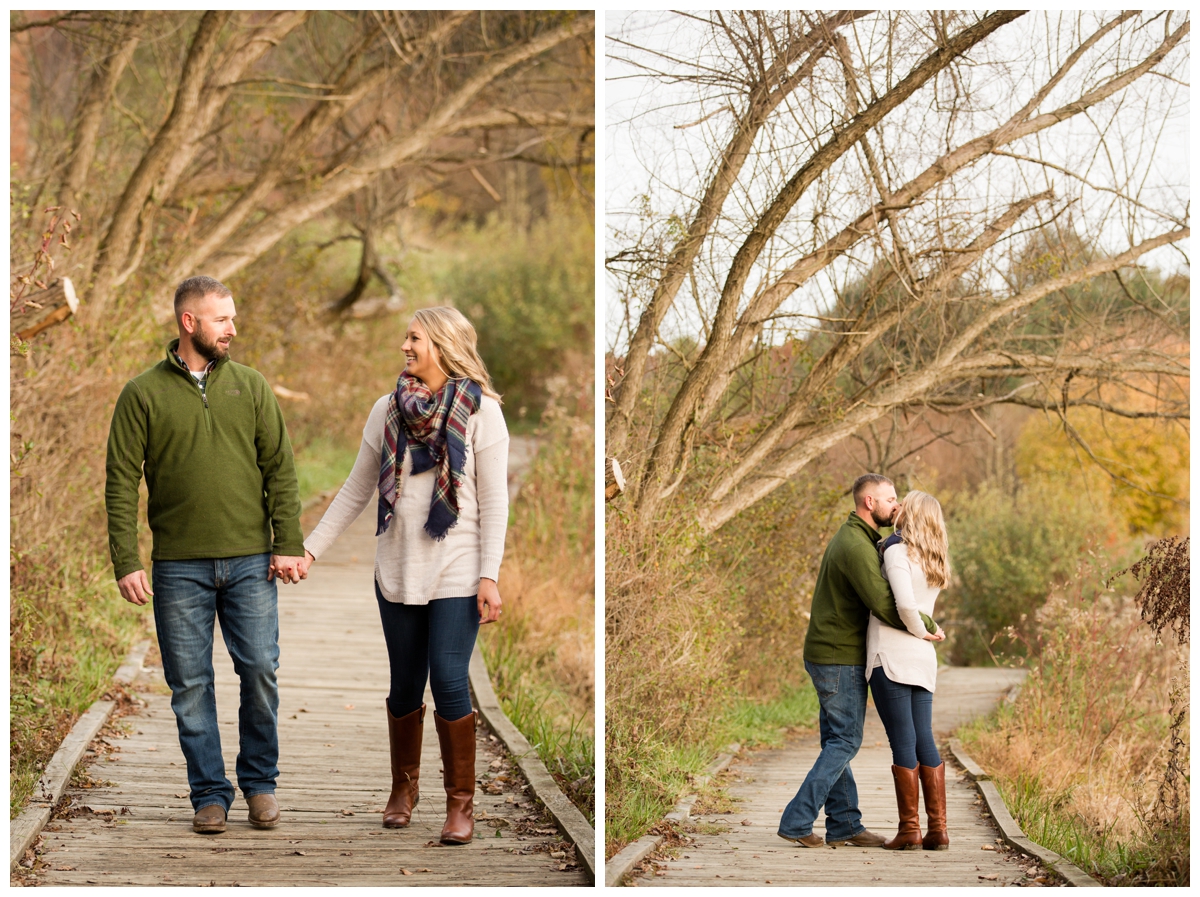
{"points": [[44, 309]]}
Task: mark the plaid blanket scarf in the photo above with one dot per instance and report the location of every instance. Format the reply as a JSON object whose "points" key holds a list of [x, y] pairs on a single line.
{"points": [[435, 434]]}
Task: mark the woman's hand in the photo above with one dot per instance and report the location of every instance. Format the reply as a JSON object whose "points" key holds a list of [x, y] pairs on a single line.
{"points": [[302, 567], [489, 601], [935, 636]]}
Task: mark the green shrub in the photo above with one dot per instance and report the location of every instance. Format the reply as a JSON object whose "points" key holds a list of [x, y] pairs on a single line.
{"points": [[530, 294]]}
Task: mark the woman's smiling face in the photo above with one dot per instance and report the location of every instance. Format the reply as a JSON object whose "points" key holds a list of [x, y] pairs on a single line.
{"points": [[421, 355]]}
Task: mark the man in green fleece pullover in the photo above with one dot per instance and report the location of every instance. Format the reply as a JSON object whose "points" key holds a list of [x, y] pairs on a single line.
{"points": [[224, 511], [850, 587]]}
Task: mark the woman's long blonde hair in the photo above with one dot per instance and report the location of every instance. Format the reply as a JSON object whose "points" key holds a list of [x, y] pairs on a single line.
{"points": [[456, 342], [923, 527]]}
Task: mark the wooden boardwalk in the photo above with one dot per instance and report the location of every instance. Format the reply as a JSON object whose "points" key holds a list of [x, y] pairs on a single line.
{"points": [[134, 827], [742, 848]]}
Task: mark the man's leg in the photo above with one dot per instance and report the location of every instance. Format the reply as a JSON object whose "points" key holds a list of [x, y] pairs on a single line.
{"points": [[842, 693], [185, 598], [248, 611], [843, 819]]}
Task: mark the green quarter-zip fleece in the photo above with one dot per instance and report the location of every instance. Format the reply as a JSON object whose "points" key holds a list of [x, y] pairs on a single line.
{"points": [[850, 587], [217, 462]]}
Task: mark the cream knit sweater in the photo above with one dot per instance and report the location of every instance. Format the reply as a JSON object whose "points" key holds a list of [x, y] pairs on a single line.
{"points": [[410, 567], [906, 656]]}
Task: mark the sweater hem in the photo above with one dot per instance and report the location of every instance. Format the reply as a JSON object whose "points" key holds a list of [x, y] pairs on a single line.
{"points": [[210, 554]]}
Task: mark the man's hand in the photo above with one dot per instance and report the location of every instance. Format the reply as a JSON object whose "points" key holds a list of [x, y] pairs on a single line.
{"points": [[135, 588], [286, 568], [935, 636], [489, 601]]}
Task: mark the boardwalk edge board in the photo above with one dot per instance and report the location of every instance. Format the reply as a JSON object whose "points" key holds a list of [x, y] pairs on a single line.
{"points": [[566, 814], [24, 830], [1010, 831], [622, 863]]}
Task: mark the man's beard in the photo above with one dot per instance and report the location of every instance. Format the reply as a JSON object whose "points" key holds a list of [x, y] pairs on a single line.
{"points": [[209, 351], [886, 521]]}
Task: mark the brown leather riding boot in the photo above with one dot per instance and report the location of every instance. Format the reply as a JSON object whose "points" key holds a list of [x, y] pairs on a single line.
{"points": [[404, 739], [457, 739], [933, 782], [908, 800]]}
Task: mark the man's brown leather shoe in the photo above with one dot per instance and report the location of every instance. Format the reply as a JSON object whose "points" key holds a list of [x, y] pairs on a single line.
{"points": [[209, 820], [864, 838], [810, 840], [264, 810]]}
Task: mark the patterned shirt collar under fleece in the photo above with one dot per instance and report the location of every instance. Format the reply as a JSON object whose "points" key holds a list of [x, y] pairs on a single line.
{"points": [[202, 380]]}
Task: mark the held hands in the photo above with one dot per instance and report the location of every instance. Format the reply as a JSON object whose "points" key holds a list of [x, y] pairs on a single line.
{"points": [[288, 569], [305, 562], [489, 601], [135, 588], [935, 636]]}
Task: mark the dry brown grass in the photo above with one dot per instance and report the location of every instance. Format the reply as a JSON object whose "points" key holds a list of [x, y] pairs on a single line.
{"points": [[1082, 752]]}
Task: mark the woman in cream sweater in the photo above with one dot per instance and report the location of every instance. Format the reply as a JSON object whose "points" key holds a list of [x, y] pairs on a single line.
{"points": [[902, 669], [437, 451]]}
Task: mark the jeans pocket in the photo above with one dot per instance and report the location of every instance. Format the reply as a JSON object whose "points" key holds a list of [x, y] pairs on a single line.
{"points": [[826, 679]]}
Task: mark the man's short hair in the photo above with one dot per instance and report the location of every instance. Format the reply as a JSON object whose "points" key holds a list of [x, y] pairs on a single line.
{"points": [[865, 482], [197, 288]]}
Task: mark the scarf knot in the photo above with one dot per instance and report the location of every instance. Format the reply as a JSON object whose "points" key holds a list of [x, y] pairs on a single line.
{"points": [[432, 428]]}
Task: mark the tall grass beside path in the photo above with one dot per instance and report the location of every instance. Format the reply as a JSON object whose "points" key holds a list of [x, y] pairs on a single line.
{"points": [[541, 654], [1080, 755]]}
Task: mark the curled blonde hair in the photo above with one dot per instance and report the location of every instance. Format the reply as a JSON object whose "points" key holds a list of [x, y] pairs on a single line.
{"points": [[923, 527], [454, 336]]}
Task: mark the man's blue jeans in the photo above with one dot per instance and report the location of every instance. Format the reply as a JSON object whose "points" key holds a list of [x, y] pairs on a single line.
{"points": [[188, 595], [842, 691]]}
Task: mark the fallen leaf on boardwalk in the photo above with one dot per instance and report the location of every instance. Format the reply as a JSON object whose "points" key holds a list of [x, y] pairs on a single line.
{"points": [[302, 710], [424, 870], [174, 856], [557, 854], [747, 822], [349, 706], [991, 876], [347, 853], [347, 812], [297, 853], [405, 872], [64, 868], [433, 844], [183, 796], [987, 847], [152, 748], [329, 745]]}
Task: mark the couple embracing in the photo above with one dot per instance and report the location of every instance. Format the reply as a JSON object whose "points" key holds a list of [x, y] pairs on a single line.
{"points": [[870, 623], [224, 510]]}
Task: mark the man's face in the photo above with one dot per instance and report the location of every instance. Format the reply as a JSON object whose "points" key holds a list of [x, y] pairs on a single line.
{"points": [[211, 327], [882, 503]]}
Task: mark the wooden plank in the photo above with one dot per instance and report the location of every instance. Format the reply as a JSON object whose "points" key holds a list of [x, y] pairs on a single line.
{"points": [[742, 848], [333, 758], [577, 829]]}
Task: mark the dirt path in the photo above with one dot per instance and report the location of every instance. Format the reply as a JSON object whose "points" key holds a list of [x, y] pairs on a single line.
{"points": [[742, 848], [133, 826]]}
